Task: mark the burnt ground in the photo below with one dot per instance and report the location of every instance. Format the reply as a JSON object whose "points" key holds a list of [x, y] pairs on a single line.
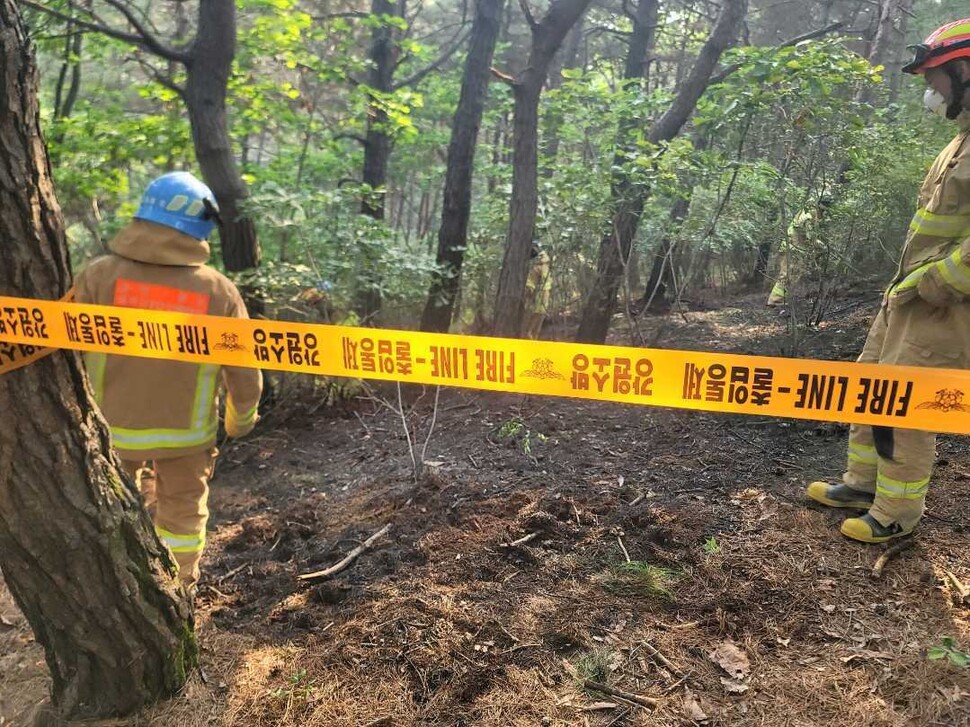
{"points": [[672, 557]]}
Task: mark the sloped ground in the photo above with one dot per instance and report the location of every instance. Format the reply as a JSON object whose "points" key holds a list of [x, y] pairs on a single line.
{"points": [[448, 622]]}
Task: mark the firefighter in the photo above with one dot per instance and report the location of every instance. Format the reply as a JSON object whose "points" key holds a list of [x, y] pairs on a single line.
{"points": [[163, 412], [538, 289], [924, 319], [801, 241]]}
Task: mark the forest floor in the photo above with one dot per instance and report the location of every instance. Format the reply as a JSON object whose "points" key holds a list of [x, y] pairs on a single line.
{"points": [[675, 559]]}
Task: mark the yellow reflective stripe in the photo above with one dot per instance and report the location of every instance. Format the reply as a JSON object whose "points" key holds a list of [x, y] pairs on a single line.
{"points": [[161, 438], [779, 290], [202, 430], [902, 490], [242, 420], [203, 410], [190, 543], [955, 272], [95, 364], [911, 280], [928, 223], [862, 453]]}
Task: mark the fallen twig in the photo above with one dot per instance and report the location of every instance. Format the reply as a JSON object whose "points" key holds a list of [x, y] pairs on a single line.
{"points": [[523, 540], [350, 558], [619, 718], [636, 500], [619, 694], [657, 656], [623, 548], [231, 573], [888, 553], [963, 591]]}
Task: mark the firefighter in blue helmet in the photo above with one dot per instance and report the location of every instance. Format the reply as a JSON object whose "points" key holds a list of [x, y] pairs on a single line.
{"points": [[160, 411]]}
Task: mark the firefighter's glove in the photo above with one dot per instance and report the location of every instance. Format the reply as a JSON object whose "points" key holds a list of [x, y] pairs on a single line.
{"points": [[238, 425]]}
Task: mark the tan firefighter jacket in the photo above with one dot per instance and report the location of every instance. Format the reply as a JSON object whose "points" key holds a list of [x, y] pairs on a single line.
{"points": [[160, 409], [936, 258], [538, 285]]}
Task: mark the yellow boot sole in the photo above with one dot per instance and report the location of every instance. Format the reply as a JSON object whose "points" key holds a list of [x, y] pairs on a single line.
{"points": [[858, 529], [818, 491]]}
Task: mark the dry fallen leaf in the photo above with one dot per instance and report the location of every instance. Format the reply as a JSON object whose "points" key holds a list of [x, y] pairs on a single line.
{"points": [[731, 659], [866, 654], [830, 608], [694, 710], [732, 686]]}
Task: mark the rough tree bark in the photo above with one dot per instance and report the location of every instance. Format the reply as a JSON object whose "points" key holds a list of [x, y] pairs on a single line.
{"points": [[377, 144], [77, 549], [547, 36], [209, 65], [207, 59], [629, 200], [453, 232]]}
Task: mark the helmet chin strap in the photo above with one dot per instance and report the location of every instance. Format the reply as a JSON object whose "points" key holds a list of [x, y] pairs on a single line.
{"points": [[959, 87]]}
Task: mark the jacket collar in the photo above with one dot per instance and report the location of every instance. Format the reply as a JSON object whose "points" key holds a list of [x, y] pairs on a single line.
{"points": [[147, 242]]}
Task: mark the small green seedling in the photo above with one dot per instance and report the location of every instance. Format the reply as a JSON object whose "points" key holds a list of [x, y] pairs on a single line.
{"points": [[948, 650]]}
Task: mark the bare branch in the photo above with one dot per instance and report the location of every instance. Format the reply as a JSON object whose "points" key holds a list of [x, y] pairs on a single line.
{"points": [[149, 44], [529, 17], [334, 16], [353, 137], [503, 77], [445, 55], [159, 77]]}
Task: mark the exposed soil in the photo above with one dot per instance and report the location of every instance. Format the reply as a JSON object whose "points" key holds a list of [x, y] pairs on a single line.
{"points": [[447, 622]]}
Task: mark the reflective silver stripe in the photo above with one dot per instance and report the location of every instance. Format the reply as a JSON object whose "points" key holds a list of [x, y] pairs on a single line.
{"points": [[202, 430], [862, 453], [95, 364], [955, 272], [190, 543], [899, 489], [934, 225]]}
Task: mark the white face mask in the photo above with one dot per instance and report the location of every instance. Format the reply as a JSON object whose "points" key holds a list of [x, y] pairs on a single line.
{"points": [[935, 102]]}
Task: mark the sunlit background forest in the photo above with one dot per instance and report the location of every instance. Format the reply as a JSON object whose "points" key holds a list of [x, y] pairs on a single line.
{"points": [[315, 83]]}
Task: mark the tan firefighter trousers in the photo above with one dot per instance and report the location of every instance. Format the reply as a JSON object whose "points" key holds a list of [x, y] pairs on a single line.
{"points": [[912, 333], [177, 499]]}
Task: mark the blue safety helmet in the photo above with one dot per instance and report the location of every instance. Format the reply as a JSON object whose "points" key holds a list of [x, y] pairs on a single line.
{"points": [[180, 201]]}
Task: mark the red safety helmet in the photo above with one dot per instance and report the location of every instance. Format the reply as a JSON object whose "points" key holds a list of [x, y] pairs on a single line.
{"points": [[942, 45]]}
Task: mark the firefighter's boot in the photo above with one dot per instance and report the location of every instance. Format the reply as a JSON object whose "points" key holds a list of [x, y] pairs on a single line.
{"points": [[839, 495], [867, 529]]}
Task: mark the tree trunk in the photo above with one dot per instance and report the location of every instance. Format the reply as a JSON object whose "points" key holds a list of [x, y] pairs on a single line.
{"points": [[566, 59], [547, 36], [661, 273], [452, 234], [628, 201], [208, 68], [77, 549], [377, 148]]}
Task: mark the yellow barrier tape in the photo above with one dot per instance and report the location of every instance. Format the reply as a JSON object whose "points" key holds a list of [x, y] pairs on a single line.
{"points": [[17, 355], [898, 396]]}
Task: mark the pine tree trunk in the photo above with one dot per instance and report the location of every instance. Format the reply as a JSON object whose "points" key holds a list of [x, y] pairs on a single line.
{"points": [[209, 67], [629, 202], [452, 234], [547, 36], [377, 148], [77, 549]]}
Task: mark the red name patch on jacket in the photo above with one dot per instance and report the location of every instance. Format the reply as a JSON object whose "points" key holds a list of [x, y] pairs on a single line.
{"points": [[133, 294]]}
